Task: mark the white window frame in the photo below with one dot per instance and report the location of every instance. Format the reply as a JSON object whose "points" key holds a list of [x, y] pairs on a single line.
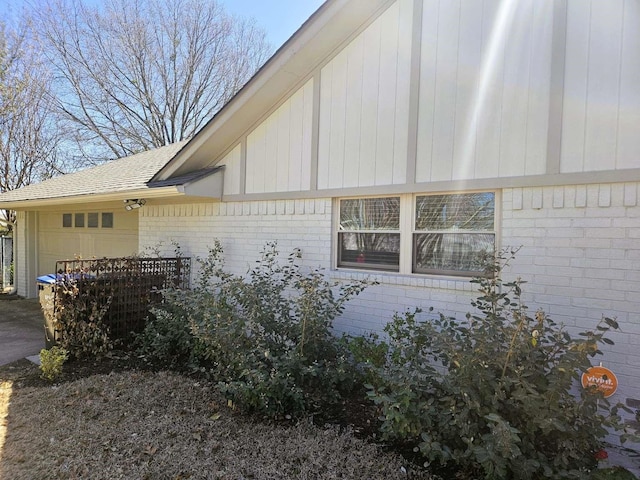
{"points": [[368, 267], [407, 231]]}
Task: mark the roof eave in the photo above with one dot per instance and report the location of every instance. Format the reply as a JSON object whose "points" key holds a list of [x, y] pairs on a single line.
{"points": [[146, 193]]}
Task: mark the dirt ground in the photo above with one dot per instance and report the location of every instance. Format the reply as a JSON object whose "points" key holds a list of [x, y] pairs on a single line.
{"points": [[159, 425]]}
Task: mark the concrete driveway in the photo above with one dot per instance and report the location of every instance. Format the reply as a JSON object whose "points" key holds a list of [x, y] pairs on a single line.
{"points": [[21, 328]]}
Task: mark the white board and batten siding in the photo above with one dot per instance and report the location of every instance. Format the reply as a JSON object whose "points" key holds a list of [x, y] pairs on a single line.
{"points": [[601, 122], [232, 171], [485, 103], [484, 89], [364, 105], [279, 149]]}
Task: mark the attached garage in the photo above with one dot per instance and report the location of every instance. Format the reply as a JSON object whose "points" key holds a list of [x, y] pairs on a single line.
{"points": [[94, 213], [102, 230]]}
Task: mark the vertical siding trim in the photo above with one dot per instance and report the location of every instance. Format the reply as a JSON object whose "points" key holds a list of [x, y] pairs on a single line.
{"points": [[414, 91], [243, 165], [556, 91], [315, 132]]}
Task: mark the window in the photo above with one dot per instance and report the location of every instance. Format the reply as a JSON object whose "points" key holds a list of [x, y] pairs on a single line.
{"points": [[451, 232], [107, 220], [67, 220], [369, 233], [79, 222], [428, 234], [92, 220]]}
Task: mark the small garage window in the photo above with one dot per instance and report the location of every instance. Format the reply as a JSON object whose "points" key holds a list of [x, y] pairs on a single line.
{"points": [[79, 223], [107, 220], [67, 220], [92, 220]]}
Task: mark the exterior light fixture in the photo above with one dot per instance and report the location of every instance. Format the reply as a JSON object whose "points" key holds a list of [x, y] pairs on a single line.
{"points": [[133, 204]]}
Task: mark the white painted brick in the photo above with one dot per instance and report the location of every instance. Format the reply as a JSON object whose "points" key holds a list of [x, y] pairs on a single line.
{"points": [[603, 294], [609, 212], [570, 196], [590, 262], [630, 195], [593, 195], [581, 196], [604, 196], [558, 197], [536, 198], [605, 232], [517, 199], [591, 242]]}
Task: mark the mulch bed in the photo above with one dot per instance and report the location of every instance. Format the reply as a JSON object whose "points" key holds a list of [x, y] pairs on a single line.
{"points": [[116, 418]]}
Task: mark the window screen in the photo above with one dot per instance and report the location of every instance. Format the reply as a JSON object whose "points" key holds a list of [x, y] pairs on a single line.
{"points": [[453, 233], [369, 233]]}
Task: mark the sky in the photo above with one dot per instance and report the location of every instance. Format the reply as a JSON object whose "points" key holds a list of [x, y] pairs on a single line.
{"points": [[280, 18]]}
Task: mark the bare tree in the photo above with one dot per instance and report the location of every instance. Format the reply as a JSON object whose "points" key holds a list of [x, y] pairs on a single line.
{"points": [[136, 74], [29, 138]]}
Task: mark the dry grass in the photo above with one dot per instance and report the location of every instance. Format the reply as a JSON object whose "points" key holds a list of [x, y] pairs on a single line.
{"points": [[136, 425]]}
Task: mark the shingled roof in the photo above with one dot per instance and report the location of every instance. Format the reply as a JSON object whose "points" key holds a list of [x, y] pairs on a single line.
{"points": [[123, 175]]}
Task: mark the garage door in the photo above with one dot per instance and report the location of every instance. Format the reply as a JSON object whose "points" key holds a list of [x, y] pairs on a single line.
{"points": [[105, 231]]}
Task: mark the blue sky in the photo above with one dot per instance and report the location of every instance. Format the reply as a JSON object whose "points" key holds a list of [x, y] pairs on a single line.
{"points": [[280, 18]]}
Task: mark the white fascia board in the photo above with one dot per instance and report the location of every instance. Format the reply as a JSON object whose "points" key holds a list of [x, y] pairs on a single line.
{"points": [[145, 193]]}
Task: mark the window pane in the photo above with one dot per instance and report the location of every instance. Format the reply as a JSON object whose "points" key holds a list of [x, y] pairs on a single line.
{"points": [[92, 220], [107, 220], [79, 219], [66, 220], [456, 253], [370, 250], [370, 214], [469, 211]]}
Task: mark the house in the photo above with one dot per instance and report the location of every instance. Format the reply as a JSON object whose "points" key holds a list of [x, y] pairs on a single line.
{"points": [[395, 139]]}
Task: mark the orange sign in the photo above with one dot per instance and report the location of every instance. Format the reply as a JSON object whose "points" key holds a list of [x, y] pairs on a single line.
{"points": [[602, 378]]}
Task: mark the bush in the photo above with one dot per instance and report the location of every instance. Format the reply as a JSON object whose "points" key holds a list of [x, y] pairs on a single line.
{"points": [[265, 337], [78, 321], [369, 354], [167, 339], [51, 362], [493, 395]]}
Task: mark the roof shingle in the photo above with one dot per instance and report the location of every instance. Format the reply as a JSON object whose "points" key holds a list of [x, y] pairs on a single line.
{"points": [[124, 174]]}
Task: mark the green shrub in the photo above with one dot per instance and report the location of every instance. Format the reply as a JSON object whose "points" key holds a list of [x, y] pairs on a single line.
{"points": [[369, 354], [167, 339], [614, 473], [494, 394], [266, 337], [51, 362]]}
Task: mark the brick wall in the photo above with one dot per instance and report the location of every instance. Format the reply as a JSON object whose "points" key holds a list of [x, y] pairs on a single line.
{"points": [[242, 228], [580, 256]]}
